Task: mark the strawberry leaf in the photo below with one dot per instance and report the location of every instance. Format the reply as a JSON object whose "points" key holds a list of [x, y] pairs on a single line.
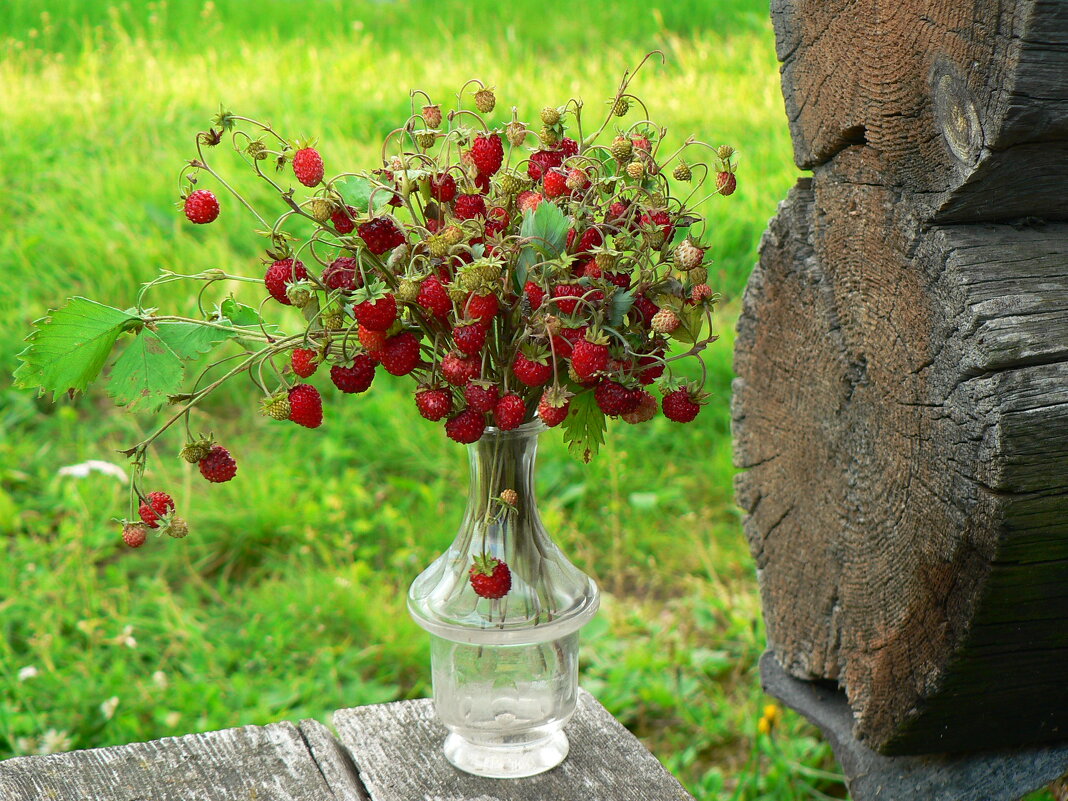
{"points": [[619, 306], [691, 322], [69, 347], [357, 192], [189, 340], [584, 427], [147, 372], [546, 230]]}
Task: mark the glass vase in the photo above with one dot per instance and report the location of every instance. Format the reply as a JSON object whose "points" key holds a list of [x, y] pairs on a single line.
{"points": [[505, 669]]}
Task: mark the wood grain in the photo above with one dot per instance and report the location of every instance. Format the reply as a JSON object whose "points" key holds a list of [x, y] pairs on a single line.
{"points": [[397, 749]]}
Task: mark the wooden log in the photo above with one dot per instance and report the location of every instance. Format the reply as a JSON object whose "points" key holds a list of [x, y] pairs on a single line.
{"points": [[962, 105], [901, 413]]}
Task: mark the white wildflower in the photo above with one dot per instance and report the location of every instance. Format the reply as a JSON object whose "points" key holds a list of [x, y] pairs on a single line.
{"points": [[159, 678], [107, 709], [83, 469], [54, 742], [27, 673]]}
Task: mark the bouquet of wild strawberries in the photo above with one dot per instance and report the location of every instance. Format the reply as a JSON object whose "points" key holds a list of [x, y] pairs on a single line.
{"points": [[512, 272]]}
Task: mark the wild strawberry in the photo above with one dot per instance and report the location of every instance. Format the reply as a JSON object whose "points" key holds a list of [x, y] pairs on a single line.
{"points": [[688, 256], [195, 450], [482, 307], [700, 293], [496, 221], [344, 219], [533, 372], [378, 314], [542, 161], [305, 406], [682, 172], [308, 166], [482, 183], [276, 407], [356, 378], [218, 466], [535, 293], [615, 399], [432, 115], [372, 341], [568, 147], [434, 404], [577, 180], [680, 406], [554, 183], [157, 505], [467, 207], [657, 227], [490, 577], [434, 297], [487, 151], [651, 367], [201, 207], [528, 200], [342, 274], [380, 234], [509, 412], [177, 528], [480, 395], [458, 370], [591, 238], [622, 280], [726, 183], [553, 407], [466, 427], [511, 183], [645, 309], [589, 357], [469, 338], [134, 534], [641, 142], [304, 361], [636, 169], [665, 321], [443, 188], [564, 341], [280, 275], [567, 297], [485, 100], [621, 149], [400, 355], [644, 411]]}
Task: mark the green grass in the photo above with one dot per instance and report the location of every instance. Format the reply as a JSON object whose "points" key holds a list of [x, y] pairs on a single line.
{"points": [[287, 600]]}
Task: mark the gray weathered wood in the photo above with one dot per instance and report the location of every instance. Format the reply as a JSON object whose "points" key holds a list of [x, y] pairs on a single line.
{"points": [[251, 763], [333, 761], [397, 749], [987, 776]]}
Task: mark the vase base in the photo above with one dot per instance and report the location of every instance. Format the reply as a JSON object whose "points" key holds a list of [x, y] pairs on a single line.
{"points": [[507, 761]]}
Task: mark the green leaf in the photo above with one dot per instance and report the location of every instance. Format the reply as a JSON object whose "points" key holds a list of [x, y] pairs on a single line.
{"points": [[68, 348], [241, 316], [692, 320], [584, 426], [546, 227], [189, 340], [147, 371], [620, 305], [357, 191]]}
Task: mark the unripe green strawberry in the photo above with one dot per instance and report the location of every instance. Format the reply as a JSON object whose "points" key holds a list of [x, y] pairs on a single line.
{"points": [[485, 100], [478, 275], [550, 115], [425, 139], [333, 319], [320, 209], [453, 235], [510, 183], [549, 136], [665, 321], [256, 150], [516, 133], [606, 261], [178, 528], [298, 295], [682, 172], [432, 115], [196, 450], [725, 152], [436, 246], [621, 107], [407, 290], [621, 149], [636, 170], [276, 407]]}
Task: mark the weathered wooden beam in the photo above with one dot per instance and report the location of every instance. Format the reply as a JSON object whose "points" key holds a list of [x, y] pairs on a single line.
{"points": [[987, 776], [397, 750]]}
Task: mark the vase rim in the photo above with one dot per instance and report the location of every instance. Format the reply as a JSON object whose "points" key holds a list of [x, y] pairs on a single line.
{"points": [[535, 426]]}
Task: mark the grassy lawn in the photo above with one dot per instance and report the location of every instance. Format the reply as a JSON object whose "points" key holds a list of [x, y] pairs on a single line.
{"points": [[287, 600]]}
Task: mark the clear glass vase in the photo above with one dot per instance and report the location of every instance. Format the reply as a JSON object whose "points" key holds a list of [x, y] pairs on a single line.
{"points": [[505, 669]]}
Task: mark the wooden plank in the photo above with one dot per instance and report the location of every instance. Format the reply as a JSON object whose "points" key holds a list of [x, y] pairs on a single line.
{"points": [[1003, 775], [251, 763], [334, 762], [397, 749]]}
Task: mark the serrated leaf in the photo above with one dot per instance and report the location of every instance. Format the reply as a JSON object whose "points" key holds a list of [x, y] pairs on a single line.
{"points": [[189, 340], [147, 372], [241, 316], [357, 191], [69, 347], [691, 323], [584, 427], [546, 228], [620, 305]]}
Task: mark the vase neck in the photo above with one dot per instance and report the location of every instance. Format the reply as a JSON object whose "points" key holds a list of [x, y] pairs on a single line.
{"points": [[500, 461]]}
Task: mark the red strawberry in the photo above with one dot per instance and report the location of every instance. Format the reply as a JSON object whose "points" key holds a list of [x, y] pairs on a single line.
{"points": [[344, 219], [660, 218], [530, 372], [469, 338], [482, 183], [480, 396], [487, 151], [443, 187], [157, 505], [305, 406], [542, 161], [535, 293], [726, 183], [280, 275], [433, 297], [615, 399], [218, 466], [645, 309], [577, 179], [342, 274], [401, 353], [555, 183], [553, 407], [434, 404], [567, 297], [304, 361], [466, 427], [622, 280], [490, 577], [680, 406], [372, 341], [528, 200], [134, 534], [496, 221], [308, 166], [509, 412], [645, 410], [591, 238], [564, 342], [356, 378], [376, 315], [467, 207], [201, 207], [482, 307], [458, 370], [589, 358], [568, 147], [381, 234], [641, 143], [652, 367]]}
